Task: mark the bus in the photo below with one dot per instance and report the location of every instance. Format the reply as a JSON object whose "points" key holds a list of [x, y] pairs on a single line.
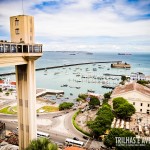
{"points": [[42, 134], [74, 142]]}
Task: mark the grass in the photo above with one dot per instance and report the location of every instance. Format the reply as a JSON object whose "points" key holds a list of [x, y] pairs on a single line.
{"points": [[7, 110], [48, 109]]}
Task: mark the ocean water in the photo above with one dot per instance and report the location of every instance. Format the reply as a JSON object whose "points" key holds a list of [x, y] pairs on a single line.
{"points": [[56, 78]]}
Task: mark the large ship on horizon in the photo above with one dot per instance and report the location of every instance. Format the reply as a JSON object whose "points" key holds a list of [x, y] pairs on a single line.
{"points": [[124, 54]]}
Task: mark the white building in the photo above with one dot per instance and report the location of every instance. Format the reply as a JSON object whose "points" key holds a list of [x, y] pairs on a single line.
{"points": [[137, 76], [136, 94], [7, 84]]}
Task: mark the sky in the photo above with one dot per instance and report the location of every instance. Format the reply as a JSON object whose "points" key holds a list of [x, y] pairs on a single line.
{"points": [[84, 25]]}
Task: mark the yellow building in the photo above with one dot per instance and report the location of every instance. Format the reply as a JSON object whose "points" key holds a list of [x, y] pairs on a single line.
{"points": [[22, 29]]}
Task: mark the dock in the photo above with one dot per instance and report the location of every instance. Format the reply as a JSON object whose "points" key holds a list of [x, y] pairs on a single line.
{"points": [[61, 66], [41, 92]]}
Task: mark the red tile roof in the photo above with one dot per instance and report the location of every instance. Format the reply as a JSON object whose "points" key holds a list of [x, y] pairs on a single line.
{"points": [[13, 83], [131, 87], [1, 81], [73, 148]]}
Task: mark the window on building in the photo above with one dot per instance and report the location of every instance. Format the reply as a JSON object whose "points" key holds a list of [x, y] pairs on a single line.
{"points": [[148, 105], [141, 104], [16, 22], [140, 110], [148, 111], [133, 103], [30, 29], [30, 38], [17, 31]]}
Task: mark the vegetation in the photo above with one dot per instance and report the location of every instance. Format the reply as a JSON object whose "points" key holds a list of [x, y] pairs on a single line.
{"points": [[123, 78], [42, 144], [143, 82], [102, 122], [7, 93], [79, 99], [48, 109], [65, 105], [7, 110], [83, 96], [107, 95], [110, 139], [76, 125], [94, 101], [1, 90], [122, 108]]}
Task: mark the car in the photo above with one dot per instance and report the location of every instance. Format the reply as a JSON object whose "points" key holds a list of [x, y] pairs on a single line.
{"points": [[85, 137], [75, 138]]}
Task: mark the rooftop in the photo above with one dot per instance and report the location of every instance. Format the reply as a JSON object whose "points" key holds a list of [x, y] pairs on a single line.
{"points": [[131, 87]]}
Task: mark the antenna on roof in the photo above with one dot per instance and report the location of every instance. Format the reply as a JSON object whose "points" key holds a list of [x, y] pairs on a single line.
{"points": [[22, 8]]}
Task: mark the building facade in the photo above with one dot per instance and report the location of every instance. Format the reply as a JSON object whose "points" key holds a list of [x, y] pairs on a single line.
{"points": [[22, 29], [136, 94], [137, 76]]}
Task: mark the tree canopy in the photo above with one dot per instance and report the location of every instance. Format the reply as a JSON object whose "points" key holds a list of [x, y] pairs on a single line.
{"points": [[110, 139], [65, 105], [102, 122], [94, 101], [122, 108], [42, 144]]}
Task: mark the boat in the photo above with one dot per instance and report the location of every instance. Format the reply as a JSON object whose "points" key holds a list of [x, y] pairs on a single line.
{"points": [[124, 54], [45, 71], [64, 85], [90, 90]]}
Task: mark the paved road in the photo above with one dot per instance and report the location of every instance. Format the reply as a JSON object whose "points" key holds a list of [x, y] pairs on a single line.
{"points": [[60, 126]]}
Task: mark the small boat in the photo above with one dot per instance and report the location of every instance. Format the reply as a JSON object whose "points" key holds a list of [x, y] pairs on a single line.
{"points": [[45, 71], [90, 90]]}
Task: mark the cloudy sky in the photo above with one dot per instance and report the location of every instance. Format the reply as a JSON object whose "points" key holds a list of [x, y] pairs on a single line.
{"points": [[88, 25]]}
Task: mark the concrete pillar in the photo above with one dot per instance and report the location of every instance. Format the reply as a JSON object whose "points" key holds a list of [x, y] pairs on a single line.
{"points": [[26, 90]]}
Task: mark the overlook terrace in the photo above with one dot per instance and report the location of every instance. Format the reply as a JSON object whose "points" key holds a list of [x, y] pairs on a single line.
{"points": [[11, 47]]}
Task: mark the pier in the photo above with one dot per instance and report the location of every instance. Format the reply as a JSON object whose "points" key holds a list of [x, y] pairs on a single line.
{"points": [[48, 91], [61, 66]]}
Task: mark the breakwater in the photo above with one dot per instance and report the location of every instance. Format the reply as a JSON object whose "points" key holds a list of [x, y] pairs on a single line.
{"points": [[65, 65]]}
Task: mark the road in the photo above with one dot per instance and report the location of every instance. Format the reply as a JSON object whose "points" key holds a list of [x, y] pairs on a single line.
{"points": [[60, 126]]}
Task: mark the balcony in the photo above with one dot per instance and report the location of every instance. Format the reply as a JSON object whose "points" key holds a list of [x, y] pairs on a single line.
{"points": [[9, 47]]}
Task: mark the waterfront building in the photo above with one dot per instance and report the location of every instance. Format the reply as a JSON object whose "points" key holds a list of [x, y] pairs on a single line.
{"points": [[137, 76], [120, 65], [7, 84], [136, 94]]}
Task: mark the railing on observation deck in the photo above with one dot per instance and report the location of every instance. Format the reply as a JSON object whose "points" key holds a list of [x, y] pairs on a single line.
{"points": [[11, 47]]}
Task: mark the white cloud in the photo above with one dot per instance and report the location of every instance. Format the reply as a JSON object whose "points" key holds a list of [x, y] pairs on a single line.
{"points": [[79, 20]]}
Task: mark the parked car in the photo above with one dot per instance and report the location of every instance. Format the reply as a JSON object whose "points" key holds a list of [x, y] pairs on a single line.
{"points": [[75, 138], [85, 137]]}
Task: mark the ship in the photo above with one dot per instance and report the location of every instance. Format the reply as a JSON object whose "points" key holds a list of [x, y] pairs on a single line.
{"points": [[124, 54]]}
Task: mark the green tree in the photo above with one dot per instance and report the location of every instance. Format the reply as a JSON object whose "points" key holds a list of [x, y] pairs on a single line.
{"points": [[107, 95], [65, 105], [94, 101], [42, 144], [83, 96], [142, 82], [1, 90], [123, 78], [110, 139], [125, 110], [118, 101], [102, 122], [122, 108]]}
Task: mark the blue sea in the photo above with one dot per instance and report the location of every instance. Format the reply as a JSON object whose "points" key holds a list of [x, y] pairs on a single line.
{"points": [[73, 76]]}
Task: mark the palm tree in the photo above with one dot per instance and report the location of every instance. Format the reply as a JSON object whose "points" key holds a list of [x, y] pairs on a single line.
{"points": [[42, 144]]}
